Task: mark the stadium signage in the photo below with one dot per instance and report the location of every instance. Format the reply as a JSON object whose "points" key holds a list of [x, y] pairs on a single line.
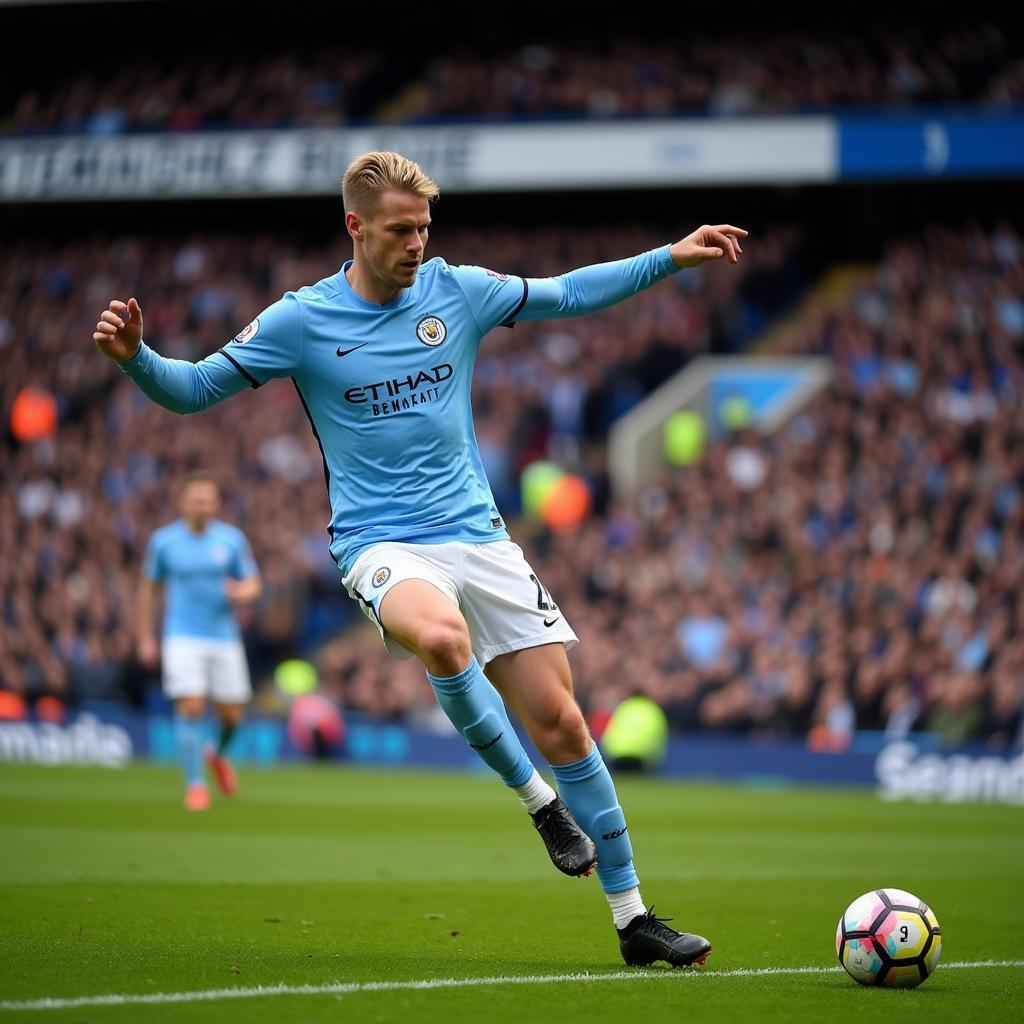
{"points": [[906, 774], [518, 156], [462, 158], [206, 164], [85, 741]]}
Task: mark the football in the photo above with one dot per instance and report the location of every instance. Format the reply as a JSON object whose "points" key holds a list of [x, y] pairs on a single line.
{"points": [[889, 937]]}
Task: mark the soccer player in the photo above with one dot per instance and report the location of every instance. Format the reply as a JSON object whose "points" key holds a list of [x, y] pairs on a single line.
{"points": [[207, 569], [381, 354]]}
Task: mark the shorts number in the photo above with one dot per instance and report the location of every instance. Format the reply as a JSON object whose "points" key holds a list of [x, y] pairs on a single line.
{"points": [[544, 602]]}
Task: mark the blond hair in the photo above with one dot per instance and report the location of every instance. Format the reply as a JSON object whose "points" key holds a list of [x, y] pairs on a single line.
{"points": [[199, 476], [370, 175]]}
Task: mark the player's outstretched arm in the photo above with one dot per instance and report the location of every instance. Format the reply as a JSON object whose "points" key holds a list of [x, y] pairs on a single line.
{"points": [[596, 287], [176, 384]]}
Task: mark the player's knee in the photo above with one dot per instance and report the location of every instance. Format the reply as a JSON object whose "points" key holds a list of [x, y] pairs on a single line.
{"points": [[446, 648], [231, 714], [569, 731], [190, 707]]}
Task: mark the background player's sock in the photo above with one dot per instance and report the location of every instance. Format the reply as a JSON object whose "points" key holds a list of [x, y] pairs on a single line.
{"points": [[535, 793], [188, 738], [588, 791], [625, 906], [227, 730], [476, 709]]}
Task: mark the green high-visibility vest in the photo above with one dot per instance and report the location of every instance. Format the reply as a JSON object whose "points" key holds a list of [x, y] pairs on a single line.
{"points": [[638, 728]]}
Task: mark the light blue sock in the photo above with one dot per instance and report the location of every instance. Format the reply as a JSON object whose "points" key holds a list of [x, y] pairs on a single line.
{"points": [[188, 738], [476, 709], [588, 791]]}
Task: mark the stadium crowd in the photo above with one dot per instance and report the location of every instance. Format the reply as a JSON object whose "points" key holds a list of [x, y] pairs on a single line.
{"points": [[774, 72], [83, 496], [858, 570], [770, 72]]}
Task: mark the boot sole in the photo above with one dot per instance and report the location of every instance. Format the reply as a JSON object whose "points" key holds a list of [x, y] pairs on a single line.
{"points": [[699, 962]]}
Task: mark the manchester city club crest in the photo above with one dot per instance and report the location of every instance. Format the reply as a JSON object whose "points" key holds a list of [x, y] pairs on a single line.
{"points": [[381, 576], [431, 331]]}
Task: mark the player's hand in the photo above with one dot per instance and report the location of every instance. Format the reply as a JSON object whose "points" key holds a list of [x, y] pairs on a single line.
{"points": [[242, 592], [119, 331], [149, 653], [708, 243]]}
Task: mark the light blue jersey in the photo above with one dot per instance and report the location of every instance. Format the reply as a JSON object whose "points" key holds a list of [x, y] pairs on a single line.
{"points": [[195, 567], [387, 387]]}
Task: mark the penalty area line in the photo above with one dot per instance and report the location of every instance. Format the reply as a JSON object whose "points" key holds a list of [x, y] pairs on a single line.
{"points": [[354, 987]]}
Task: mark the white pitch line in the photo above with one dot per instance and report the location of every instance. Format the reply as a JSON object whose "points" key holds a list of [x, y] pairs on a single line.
{"points": [[350, 988]]}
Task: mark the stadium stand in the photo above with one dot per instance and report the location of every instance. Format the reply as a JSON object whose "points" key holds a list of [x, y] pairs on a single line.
{"points": [[857, 570], [714, 73], [87, 493]]}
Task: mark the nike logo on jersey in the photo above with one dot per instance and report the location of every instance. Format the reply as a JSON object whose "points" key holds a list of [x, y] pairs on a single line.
{"points": [[346, 351], [552, 622]]}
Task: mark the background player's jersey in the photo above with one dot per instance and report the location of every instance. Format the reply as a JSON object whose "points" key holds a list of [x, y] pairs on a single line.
{"points": [[387, 389], [195, 568]]}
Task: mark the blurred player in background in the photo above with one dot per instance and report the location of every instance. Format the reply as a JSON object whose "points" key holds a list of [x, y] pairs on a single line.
{"points": [[206, 569], [382, 354]]}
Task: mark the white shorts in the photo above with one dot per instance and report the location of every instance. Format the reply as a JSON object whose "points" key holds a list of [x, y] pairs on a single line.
{"points": [[198, 667], [502, 600]]}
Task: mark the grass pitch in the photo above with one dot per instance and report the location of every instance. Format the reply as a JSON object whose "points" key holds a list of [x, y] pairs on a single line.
{"points": [[428, 897]]}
